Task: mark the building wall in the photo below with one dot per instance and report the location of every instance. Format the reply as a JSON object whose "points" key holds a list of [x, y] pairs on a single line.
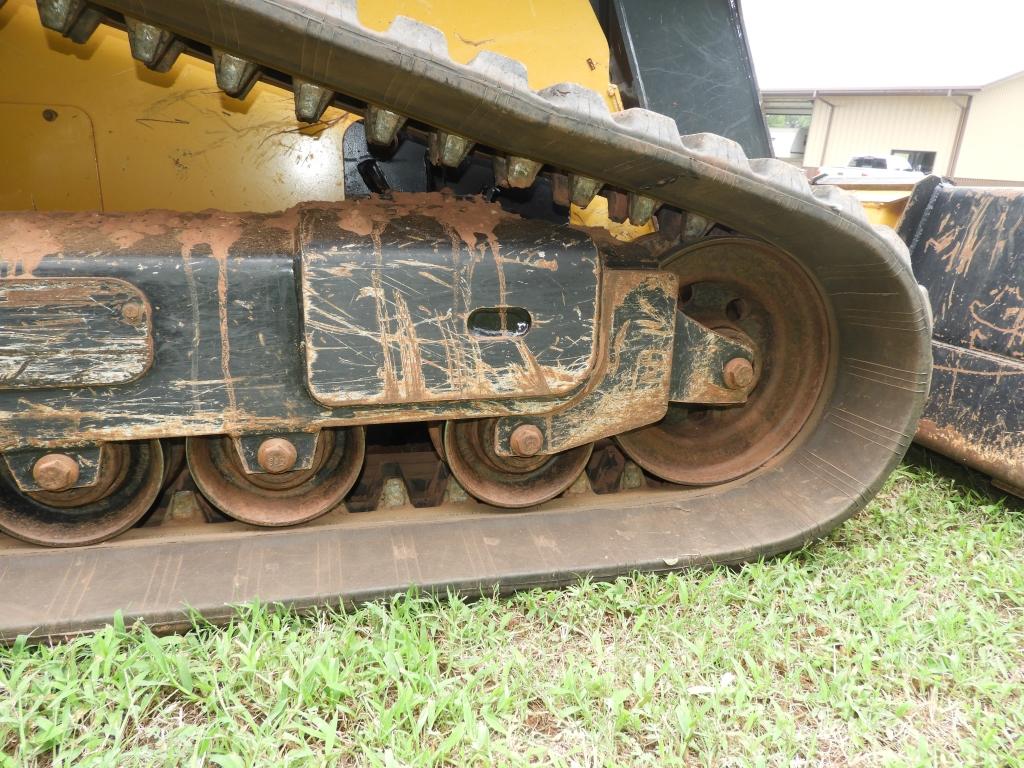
{"points": [[993, 143], [876, 125]]}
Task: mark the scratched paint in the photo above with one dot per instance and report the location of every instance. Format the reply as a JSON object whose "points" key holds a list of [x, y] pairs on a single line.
{"points": [[227, 323], [389, 285], [967, 249], [72, 332]]}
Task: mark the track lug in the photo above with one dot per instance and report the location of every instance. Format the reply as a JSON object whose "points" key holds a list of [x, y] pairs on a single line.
{"points": [[632, 477], [74, 19], [150, 44], [515, 172], [235, 76], [641, 208], [618, 206], [382, 125], [582, 189], [394, 494], [448, 149], [310, 100]]}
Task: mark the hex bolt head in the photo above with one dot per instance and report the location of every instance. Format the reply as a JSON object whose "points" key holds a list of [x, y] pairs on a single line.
{"points": [[55, 472], [738, 373], [276, 455], [132, 311], [526, 440]]}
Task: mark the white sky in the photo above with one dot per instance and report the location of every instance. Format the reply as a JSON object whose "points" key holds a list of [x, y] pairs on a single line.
{"points": [[805, 44]]}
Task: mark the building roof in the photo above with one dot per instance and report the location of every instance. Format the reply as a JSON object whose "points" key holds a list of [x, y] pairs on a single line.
{"points": [[930, 90]]}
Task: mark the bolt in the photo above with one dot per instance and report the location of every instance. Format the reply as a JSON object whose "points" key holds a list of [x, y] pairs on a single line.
{"points": [[55, 472], [738, 373], [132, 311], [276, 455], [49, 115], [526, 440]]}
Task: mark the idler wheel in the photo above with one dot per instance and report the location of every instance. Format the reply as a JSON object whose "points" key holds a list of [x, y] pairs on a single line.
{"points": [[761, 296], [283, 498], [130, 478], [507, 481]]}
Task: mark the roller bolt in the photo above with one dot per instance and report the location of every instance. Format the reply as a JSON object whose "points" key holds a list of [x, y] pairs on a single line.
{"points": [[526, 440], [738, 373], [276, 455], [132, 311], [55, 472]]}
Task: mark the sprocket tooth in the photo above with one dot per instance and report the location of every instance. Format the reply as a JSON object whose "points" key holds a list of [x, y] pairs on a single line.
{"points": [[170, 56], [583, 189], [59, 15], [84, 26], [641, 208], [74, 19], [311, 100], [839, 201], [515, 172], [618, 205], [781, 173], [382, 125], [725, 151], [506, 70], [235, 76], [648, 125], [448, 149], [575, 98], [419, 36], [149, 43]]}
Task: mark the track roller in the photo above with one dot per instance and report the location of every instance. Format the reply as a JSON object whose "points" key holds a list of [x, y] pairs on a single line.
{"points": [[131, 476], [277, 498], [507, 481], [758, 295]]}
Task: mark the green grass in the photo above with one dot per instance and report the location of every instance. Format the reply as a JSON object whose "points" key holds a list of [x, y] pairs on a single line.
{"points": [[898, 640]]}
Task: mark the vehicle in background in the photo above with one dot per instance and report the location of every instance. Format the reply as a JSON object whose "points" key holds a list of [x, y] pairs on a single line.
{"points": [[893, 169]]}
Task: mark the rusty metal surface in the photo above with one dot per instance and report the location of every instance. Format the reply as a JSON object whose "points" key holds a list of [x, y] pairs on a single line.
{"points": [[763, 298], [72, 331], [276, 499], [130, 479], [508, 481], [967, 249]]}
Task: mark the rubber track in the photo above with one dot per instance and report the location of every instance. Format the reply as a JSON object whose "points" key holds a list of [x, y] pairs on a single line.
{"points": [[880, 384]]}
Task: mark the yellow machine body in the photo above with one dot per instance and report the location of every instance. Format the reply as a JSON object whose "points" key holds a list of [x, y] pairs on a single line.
{"points": [[85, 127]]}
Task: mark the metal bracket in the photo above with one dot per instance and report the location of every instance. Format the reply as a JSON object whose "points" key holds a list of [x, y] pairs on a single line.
{"points": [[22, 462], [699, 365], [630, 386]]}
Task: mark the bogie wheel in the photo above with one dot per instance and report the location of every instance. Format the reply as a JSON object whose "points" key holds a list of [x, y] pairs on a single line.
{"points": [[507, 481], [759, 295], [287, 498], [130, 479]]}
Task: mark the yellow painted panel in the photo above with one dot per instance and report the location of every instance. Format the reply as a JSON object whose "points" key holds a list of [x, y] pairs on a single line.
{"points": [[881, 205], [558, 42], [54, 167], [174, 141], [165, 140]]}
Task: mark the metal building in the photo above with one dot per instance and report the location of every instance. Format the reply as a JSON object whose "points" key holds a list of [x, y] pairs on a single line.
{"points": [[974, 134]]}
